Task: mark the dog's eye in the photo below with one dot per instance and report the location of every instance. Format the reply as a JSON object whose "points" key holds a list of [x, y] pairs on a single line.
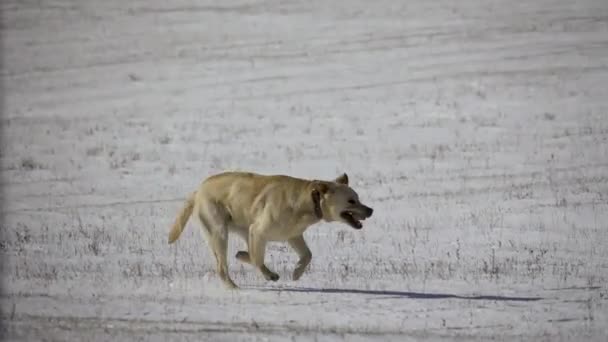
{"points": [[351, 201]]}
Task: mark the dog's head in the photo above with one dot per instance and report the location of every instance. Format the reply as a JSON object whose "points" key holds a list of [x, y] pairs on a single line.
{"points": [[336, 201]]}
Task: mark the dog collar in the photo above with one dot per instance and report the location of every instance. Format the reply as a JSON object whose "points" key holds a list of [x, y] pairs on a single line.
{"points": [[316, 201]]}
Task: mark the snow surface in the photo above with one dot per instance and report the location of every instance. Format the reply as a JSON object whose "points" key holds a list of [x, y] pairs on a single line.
{"points": [[477, 130]]}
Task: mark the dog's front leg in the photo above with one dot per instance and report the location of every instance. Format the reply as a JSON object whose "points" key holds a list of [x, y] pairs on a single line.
{"points": [[299, 245], [257, 250]]}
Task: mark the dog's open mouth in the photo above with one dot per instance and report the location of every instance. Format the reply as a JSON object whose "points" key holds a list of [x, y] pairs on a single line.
{"points": [[349, 217]]}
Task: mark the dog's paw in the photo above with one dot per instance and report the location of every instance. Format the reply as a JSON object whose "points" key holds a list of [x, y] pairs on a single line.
{"points": [[297, 273], [242, 256], [271, 276], [230, 285], [301, 267]]}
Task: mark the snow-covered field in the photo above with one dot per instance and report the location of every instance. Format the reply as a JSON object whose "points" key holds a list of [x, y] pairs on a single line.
{"points": [[477, 130]]}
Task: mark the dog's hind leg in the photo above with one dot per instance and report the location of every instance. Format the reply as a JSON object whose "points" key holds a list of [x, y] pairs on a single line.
{"points": [[214, 220], [220, 246], [242, 256]]}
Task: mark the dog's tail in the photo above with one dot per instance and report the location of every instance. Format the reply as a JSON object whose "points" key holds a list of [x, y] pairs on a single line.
{"points": [[182, 218]]}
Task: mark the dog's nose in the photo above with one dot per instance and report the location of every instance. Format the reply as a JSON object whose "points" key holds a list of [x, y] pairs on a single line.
{"points": [[370, 211]]}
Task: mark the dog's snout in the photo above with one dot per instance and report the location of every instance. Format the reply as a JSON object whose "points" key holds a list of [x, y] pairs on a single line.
{"points": [[369, 211]]}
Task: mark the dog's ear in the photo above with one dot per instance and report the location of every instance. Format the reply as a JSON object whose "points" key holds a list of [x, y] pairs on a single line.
{"points": [[343, 179]]}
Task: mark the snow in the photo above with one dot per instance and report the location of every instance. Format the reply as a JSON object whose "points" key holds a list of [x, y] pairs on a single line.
{"points": [[477, 130]]}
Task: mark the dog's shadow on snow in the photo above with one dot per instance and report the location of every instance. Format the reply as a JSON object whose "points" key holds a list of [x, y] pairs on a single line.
{"points": [[399, 294]]}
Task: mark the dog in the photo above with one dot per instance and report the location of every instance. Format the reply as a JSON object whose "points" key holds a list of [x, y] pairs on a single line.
{"points": [[261, 208]]}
